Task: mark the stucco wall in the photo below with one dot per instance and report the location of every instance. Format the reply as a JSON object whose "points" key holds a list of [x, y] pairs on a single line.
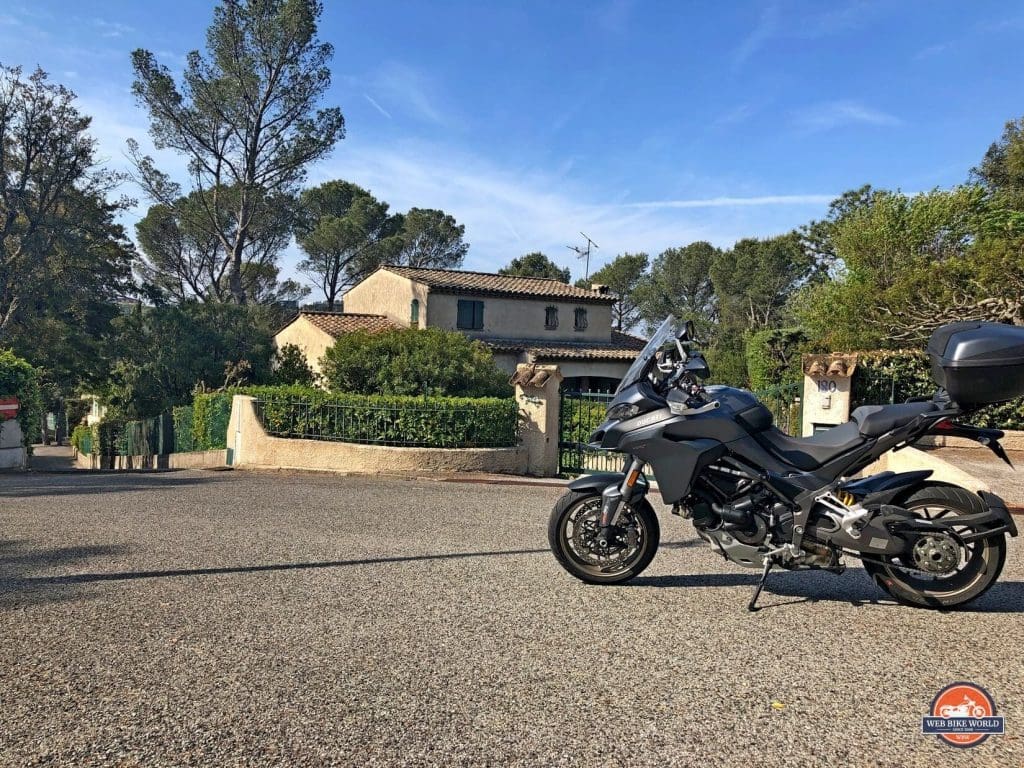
{"points": [[311, 340], [520, 318], [385, 293], [911, 459], [253, 448]]}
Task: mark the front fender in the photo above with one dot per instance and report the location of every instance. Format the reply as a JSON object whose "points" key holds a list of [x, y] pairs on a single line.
{"points": [[598, 481]]}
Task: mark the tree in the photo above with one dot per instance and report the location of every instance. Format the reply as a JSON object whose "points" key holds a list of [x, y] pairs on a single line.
{"points": [[1001, 170], [166, 352], [623, 276], [909, 265], [246, 118], [183, 260], [817, 236], [679, 284], [290, 367], [408, 361], [47, 167], [431, 238], [755, 278], [535, 264], [345, 233]]}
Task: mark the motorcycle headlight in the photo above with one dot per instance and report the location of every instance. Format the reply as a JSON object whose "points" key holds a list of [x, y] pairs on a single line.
{"points": [[623, 411]]}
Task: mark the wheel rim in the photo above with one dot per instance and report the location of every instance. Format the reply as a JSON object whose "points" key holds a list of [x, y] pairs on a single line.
{"points": [[580, 531], [971, 559]]}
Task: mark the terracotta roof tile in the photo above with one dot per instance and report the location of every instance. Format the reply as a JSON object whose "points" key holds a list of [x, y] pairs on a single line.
{"points": [[457, 281], [340, 323], [621, 347]]}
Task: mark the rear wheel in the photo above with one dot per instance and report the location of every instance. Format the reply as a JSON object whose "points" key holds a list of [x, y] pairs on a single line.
{"points": [[573, 533], [946, 571]]}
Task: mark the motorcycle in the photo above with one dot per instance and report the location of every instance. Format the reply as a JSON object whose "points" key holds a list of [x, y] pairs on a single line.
{"points": [[763, 499], [968, 708]]}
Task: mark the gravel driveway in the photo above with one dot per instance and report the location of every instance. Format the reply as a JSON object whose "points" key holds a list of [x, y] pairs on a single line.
{"points": [[223, 619]]}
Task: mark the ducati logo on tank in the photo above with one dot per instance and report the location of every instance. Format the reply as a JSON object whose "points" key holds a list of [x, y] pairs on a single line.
{"points": [[963, 715]]}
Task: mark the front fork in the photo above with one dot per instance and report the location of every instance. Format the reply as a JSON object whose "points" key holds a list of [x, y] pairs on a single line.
{"points": [[614, 497]]}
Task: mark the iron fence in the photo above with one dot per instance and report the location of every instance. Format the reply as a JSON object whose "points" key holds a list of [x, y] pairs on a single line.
{"points": [[579, 415], [786, 405], [432, 424]]}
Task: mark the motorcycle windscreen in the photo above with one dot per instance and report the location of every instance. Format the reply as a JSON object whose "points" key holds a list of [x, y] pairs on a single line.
{"points": [[667, 331]]}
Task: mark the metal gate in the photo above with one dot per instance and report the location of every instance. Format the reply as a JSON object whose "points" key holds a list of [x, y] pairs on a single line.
{"points": [[580, 414]]}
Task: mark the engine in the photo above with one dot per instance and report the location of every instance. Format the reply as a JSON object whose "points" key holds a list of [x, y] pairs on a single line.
{"points": [[743, 520]]}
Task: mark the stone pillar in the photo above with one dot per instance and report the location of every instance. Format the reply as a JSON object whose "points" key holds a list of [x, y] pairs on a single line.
{"points": [[538, 398], [826, 400], [12, 449]]}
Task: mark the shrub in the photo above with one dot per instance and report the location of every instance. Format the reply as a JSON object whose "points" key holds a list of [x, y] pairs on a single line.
{"points": [[773, 357], [82, 439], [290, 367], [432, 422], [181, 416], [19, 379], [210, 416], [408, 361]]}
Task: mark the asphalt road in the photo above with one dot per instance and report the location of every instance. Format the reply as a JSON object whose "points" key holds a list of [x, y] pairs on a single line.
{"points": [[230, 619]]}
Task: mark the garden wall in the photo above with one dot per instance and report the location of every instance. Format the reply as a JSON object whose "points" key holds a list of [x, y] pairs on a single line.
{"points": [[252, 448]]}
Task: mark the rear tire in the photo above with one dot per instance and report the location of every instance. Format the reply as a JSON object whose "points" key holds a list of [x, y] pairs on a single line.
{"points": [[571, 527], [977, 572]]}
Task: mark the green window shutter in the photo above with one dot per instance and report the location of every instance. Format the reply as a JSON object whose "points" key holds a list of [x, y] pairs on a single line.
{"points": [[465, 314], [478, 315]]}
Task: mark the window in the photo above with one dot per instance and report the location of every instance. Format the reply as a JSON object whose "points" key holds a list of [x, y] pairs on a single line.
{"points": [[551, 318], [470, 316], [414, 313], [580, 319]]}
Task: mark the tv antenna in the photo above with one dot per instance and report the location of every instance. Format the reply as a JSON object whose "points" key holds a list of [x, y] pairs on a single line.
{"points": [[584, 253]]}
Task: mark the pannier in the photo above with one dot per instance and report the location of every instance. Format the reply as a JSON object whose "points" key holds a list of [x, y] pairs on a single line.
{"points": [[978, 363]]}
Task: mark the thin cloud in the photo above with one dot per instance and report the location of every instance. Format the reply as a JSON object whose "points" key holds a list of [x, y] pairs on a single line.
{"points": [[112, 28], [377, 106], [413, 91], [838, 114], [736, 202], [765, 29]]}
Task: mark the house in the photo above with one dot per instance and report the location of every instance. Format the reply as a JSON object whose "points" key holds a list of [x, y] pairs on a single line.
{"points": [[314, 332], [522, 319]]}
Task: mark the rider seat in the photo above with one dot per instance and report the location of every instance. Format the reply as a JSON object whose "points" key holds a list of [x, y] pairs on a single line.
{"points": [[809, 453]]}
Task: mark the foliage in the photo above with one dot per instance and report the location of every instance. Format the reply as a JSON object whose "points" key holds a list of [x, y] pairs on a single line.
{"points": [[773, 357], [47, 167], [182, 417], [166, 352], [536, 264], [434, 422], [622, 275], [82, 439], [412, 362], [679, 284], [431, 238], [246, 117], [210, 416], [754, 279], [184, 258], [345, 232], [290, 367], [908, 265], [19, 379]]}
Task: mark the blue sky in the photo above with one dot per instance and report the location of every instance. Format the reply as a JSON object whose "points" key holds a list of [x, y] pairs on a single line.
{"points": [[644, 124]]}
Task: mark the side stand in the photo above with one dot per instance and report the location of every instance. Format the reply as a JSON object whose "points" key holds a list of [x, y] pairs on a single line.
{"points": [[752, 606]]}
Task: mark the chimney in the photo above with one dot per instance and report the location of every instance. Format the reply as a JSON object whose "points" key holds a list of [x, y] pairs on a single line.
{"points": [[599, 287]]}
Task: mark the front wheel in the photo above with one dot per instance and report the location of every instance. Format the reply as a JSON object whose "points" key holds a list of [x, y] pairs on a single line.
{"points": [[573, 535], [947, 572]]}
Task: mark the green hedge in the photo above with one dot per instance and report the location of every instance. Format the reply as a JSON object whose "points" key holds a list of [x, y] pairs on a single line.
{"points": [[181, 418], [82, 439], [429, 422], [210, 416], [892, 377]]}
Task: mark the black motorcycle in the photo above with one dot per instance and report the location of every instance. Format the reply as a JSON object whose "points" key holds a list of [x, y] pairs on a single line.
{"points": [[763, 498]]}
